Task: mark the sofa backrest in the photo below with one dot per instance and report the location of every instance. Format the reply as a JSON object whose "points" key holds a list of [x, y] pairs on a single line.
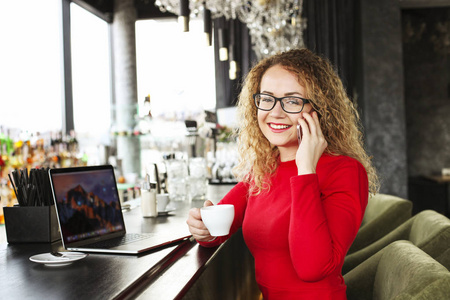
{"points": [[383, 214], [430, 231], [404, 272], [399, 271], [444, 259], [379, 204]]}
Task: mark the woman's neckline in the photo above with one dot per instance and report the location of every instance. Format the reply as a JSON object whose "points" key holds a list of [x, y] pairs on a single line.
{"points": [[287, 163]]}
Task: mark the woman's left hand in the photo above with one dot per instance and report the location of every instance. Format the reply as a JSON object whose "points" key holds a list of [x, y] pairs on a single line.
{"points": [[312, 145]]}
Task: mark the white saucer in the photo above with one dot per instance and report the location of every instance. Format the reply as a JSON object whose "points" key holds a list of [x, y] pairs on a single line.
{"points": [[54, 261], [165, 212]]}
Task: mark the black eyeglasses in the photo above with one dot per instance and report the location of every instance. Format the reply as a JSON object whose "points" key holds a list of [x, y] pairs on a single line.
{"points": [[290, 104]]}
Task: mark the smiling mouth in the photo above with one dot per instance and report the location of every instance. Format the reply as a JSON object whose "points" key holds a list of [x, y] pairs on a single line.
{"points": [[276, 126]]}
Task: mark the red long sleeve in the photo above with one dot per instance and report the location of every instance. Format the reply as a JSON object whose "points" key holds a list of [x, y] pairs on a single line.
{"points": [[300, 230]]}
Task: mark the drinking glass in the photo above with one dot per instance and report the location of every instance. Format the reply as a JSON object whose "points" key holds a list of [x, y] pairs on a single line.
{"points": [[198, 182], [177, 175]]}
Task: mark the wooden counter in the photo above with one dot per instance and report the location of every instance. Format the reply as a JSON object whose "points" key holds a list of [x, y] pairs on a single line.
{"points": [[182, 271]]}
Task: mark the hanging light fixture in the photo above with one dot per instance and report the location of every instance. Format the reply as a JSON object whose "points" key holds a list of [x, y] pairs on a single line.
{"points": [[274, 25], [223, 44], [183, 16], [232, 72], [207, 25]]}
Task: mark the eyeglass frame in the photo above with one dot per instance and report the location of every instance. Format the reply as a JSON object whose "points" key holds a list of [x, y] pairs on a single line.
{"points": [[304, 100]]}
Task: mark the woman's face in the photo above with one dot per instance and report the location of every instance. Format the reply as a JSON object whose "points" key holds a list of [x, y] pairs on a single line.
{"points": [[278, 126]]}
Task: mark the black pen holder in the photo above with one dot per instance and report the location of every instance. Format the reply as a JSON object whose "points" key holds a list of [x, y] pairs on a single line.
{"points": [[31, 224]]}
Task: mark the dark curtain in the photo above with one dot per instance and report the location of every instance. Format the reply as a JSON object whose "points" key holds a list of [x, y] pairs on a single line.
{"points": [[330, 32], [227, 91]]}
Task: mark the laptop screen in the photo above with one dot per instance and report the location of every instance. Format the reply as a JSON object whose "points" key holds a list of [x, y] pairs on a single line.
{"points": [[87, 202]]}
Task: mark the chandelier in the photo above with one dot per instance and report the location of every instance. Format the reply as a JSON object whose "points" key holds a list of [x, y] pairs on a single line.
{"points": [[274, 25]]}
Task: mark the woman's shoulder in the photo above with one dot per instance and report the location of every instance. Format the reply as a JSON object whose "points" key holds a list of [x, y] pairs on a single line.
{"points": [[333, 161]]}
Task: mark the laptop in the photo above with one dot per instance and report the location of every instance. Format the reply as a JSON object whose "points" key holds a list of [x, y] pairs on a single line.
{"points": [[90, 214]]}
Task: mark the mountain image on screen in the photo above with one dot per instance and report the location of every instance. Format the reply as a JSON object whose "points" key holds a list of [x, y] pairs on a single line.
{"points": [[82, 211]]}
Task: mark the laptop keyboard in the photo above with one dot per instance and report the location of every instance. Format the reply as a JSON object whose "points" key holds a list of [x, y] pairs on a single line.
{"points": [[126, 239]]}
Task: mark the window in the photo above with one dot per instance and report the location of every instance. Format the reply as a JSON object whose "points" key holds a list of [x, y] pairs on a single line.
{"points": [[176, 68], [90, 80], [30, 65], [178, 72]]}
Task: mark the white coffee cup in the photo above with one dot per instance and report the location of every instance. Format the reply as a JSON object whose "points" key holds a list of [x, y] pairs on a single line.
{"points": [[218, 218], [162, 201]]}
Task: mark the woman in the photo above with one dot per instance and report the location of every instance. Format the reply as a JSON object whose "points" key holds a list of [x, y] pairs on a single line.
{"points": [[299, 203]]}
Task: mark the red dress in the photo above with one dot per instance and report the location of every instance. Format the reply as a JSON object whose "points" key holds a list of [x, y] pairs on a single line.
{"points": [[300, 230]]}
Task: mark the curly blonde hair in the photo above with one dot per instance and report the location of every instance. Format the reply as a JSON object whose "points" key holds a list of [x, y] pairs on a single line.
{"points": [[339, 120]]}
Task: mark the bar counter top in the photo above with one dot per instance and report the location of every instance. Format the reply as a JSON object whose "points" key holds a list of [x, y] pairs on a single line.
{"points": [[183, 270]]}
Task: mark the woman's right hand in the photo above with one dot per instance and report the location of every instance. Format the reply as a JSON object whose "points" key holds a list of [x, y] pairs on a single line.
{"points": [[196, 226], [313, 143]]}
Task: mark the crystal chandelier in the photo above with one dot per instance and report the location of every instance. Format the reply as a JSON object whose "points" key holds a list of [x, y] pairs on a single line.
{"points": [[274, 25]]}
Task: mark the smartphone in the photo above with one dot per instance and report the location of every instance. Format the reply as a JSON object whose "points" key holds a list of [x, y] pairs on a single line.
{"points": [[299, 133]]}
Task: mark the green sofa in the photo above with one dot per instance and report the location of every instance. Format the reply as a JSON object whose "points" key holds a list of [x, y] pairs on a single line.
{"points": [[383, 214], [399, 271], [444, 259], [428, 230]]}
